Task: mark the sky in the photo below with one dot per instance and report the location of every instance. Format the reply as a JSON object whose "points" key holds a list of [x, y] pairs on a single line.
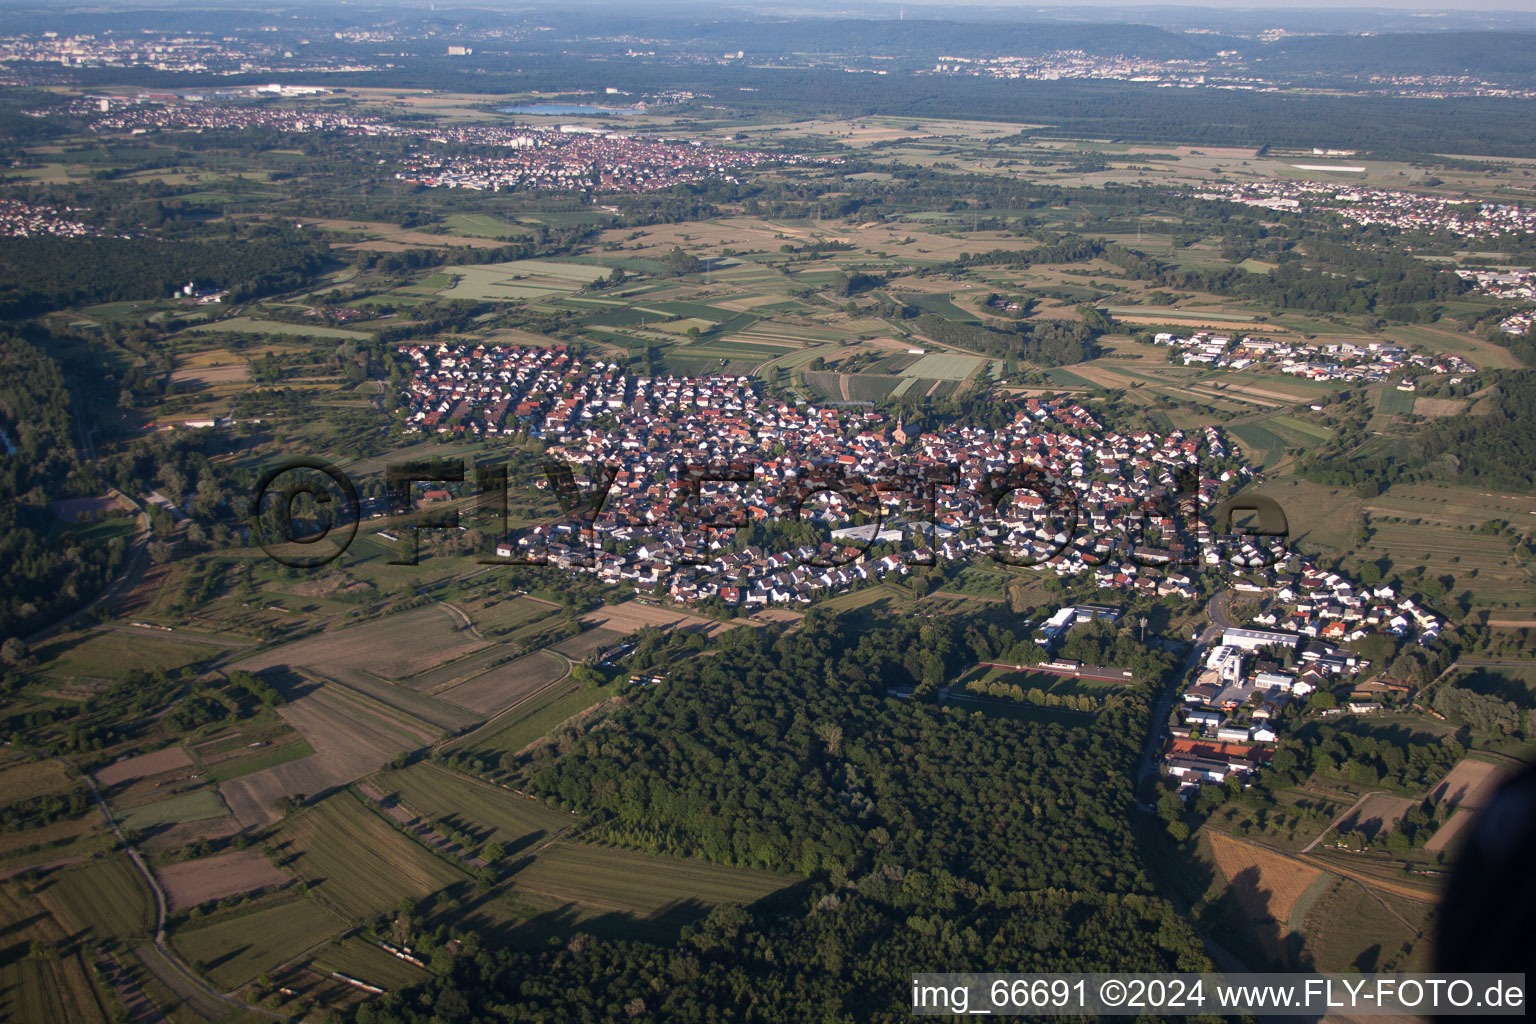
{"points": [[1441, 6]]}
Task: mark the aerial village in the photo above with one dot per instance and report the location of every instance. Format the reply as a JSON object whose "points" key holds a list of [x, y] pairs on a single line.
{"points": [[668, 531], [1342, 361]]}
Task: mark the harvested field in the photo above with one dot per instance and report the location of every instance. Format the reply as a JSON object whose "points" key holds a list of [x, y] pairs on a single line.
{"points": [[358, 958], [1467, 788], [394, 647], [1354, 928], [504, 685], [1379, 814], [143, 766], [40, 990], [1265, 884], [628, 616], [401, 237], [228, 373], [587, 643], [191, 882], [112, 653], [349, 742], [1469, 784], [1438, 406], [1447, 835]]}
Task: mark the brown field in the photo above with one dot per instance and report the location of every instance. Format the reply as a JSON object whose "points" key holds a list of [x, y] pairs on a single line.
{"points": [[1446, 835], [393, 647], [1265, 884], [780, 615], [504, 685], [628, 616], [1465, 787], [192, 882], [132, 768], [349, 741], [229, 373], [1470, 783], [587, 643], [1378, 815], [1438, 406]]}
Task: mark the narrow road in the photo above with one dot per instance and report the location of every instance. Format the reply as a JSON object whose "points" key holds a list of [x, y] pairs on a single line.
{"points": [[1335, 822]]}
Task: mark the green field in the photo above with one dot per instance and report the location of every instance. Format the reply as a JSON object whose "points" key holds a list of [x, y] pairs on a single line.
{"points": [[108, 654], [246, 325], [235, 949], [196, 806], [944, 366], [519, 279], [614, 893], [482, 225], [1392, 402], [267, 757], [487, 812], [358, 863], [1264, 446], [105, 897], [358, 958], [536, 717]]}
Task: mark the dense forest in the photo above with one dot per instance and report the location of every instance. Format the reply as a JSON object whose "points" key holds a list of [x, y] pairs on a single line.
{"points": [[1495, 447], [1042, 342], [932, 838], [846, 952], [48, 571], [46, 273]]}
